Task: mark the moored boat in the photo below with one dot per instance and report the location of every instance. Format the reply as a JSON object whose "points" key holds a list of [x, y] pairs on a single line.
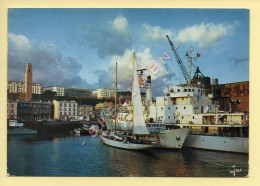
{"points": [[139, 138]]}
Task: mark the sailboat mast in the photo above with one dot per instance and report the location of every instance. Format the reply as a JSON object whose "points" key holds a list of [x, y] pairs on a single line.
{"points": [[133, 91], [116, 98]]}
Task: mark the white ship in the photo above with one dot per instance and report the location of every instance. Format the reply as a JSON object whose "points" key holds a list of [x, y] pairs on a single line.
{"points": [[190, 107]]}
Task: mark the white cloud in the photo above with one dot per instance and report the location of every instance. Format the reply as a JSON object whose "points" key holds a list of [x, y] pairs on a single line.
{"points": [[109, 41], [204, 34], [156, 33], [125, 65], [19, 41], [120, 23]]}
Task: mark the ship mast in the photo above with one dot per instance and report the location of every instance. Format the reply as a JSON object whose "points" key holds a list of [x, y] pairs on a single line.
{"points": [[133, 92], [116, 98]]}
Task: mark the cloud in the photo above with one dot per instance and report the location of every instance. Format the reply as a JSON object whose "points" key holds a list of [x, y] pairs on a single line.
{"points": [[50, 66], [120, 23], [204, 34], [156, 33], [125, 65], [111, 40], [237, 61]]}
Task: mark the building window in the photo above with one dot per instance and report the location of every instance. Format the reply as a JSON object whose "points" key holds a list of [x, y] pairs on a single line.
{"points": [[178, 90], [161, 108], [193, 117], [176, 108], [192, 90], [184, 107], [169, 108], [188, 90], [182, 117], [169, 117], [173, 117]]}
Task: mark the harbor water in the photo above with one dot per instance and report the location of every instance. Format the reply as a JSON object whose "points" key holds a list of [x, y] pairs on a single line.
{"points": [[69, 155]]}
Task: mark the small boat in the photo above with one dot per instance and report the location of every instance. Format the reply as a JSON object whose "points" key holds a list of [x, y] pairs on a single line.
{"points": [[18, 128]]}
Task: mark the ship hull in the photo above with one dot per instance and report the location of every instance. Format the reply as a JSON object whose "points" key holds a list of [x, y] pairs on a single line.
{"points": [[130, 146], [218, 143], [173, 139]]}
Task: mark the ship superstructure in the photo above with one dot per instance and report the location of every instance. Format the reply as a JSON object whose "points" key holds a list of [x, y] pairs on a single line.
{"points": [[190, 107]]}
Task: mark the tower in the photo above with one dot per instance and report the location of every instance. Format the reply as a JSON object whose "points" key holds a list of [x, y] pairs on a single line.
{"points": [[28, 82]]}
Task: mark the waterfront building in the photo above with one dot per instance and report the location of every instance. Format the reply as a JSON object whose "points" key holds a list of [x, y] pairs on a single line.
{"points": [[85, 112], [65, 109], [19, 87], [33, 110], [105, 93], [78, 92], [12, 110], [28, 82]]}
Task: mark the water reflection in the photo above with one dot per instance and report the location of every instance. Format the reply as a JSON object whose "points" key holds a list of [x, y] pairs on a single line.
{"points": [[64, 155]]}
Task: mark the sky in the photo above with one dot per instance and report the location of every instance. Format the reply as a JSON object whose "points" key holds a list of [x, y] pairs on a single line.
{"points": [[79, 47]]}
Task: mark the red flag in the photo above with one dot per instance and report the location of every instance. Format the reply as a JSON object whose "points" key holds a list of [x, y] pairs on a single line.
{"points": [[198, 54]]}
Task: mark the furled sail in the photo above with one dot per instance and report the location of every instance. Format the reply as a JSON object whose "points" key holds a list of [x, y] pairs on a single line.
{"points": [[139, 124]]}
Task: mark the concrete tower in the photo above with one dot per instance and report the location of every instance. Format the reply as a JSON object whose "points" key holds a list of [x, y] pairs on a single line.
{"points": [[28, 82]]}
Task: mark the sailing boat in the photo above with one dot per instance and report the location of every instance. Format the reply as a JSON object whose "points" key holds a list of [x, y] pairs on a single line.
{"points": [[139, 139]]}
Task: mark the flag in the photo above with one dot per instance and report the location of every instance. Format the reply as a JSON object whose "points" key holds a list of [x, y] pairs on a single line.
{"points": [[198, 54]]}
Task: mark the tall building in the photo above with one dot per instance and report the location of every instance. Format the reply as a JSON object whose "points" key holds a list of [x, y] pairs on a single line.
{"points": [[28, 82], [105, 93]]}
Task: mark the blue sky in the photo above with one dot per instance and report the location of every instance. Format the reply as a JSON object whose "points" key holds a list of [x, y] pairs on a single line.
{"points": [[79, 47]]}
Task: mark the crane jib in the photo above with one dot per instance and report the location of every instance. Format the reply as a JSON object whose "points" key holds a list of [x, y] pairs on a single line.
{"points": [[179, 61]]}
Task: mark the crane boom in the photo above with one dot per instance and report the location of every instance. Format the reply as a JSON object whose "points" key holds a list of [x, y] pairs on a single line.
{"points": [[179, 61]]}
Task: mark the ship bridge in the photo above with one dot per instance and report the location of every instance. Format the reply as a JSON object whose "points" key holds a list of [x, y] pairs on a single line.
{"points": [[179, 91]]}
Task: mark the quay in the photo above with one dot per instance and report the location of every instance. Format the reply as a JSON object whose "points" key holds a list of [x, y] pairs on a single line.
{"points": [[57, 125]]}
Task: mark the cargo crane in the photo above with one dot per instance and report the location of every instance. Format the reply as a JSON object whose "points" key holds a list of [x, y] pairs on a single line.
{"points": [[198, 79], [179, 61]]}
